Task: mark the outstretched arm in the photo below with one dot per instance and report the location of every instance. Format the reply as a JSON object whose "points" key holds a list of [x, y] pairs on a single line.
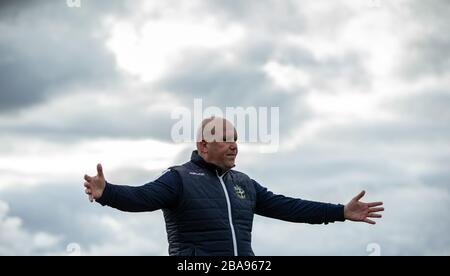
{"points": [[290, 209], [161, 193], [298, 210]]}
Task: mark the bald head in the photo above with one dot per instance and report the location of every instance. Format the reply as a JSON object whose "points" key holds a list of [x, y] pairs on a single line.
{"points": [[216, 142], [216, 129]]}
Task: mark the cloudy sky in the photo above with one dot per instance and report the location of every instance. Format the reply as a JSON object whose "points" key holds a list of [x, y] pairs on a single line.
{"points": [[362, 87]]}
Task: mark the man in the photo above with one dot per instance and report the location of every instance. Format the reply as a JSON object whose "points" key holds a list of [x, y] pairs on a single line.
{"points": [[209, 208]]}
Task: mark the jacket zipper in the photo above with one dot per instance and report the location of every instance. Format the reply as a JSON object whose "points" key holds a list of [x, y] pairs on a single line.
{"points": [[233, 234]]}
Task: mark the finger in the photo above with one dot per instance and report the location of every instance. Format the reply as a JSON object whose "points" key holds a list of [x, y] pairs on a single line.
{"points": [[374, 216], [91, 198], [374, 204], [88, 191], [100, 170], [87, 178], [374, 210], [87, 185], [359, 196], [369, 221]]}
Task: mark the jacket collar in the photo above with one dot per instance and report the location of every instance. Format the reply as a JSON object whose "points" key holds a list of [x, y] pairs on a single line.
{"points": [[198, 160]]}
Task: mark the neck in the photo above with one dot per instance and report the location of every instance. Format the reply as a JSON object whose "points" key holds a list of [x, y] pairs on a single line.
{"points": [[211, 164], [211, 161]]}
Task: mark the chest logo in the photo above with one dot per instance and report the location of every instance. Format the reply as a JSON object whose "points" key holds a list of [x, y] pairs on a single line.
{"points": [[240, 193]]}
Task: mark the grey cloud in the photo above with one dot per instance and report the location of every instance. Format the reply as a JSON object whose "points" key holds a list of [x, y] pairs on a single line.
{"points": [[11, 8], [204, 76], [318, 177], [409, 236], [64, 211], [102, 123], [200, 74], [320, 170], [391, 133], [338, 162], [428, 51], [258, 13], [56, 51], [424, 107]]}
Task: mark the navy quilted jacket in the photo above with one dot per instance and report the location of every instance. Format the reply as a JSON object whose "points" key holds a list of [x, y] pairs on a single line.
{"points": [[209, 211]]}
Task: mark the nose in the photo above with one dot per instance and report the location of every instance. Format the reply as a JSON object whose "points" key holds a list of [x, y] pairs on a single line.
{"points": [[233, 146]]}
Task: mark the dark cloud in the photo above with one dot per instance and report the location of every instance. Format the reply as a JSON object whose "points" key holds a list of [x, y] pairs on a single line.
{"points": [[321, 169], [428, 51], [101, 123], [67, 57], [389, 133], [47, 47], [11, 8], [204, 75]]}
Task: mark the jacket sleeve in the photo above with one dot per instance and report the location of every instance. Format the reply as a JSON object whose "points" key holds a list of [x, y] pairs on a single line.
{"points": [[162, 193], [285, 208]]}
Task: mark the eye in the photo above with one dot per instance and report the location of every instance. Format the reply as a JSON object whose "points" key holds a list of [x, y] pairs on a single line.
{"points": [[229, 138]]}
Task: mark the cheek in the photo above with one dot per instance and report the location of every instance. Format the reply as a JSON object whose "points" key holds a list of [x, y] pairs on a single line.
{"points": [[220, 151], [224, 149], [216, 151]]}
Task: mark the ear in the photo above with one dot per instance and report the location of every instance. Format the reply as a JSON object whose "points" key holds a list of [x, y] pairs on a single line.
{"points": [[202, 146]]}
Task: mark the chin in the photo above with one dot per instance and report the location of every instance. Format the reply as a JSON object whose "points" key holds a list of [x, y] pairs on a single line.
{"points": [[231, 165]]}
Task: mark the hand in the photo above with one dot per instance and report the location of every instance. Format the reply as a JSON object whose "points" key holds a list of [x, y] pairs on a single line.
{"points": [[95, 185], [356, 210]]}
